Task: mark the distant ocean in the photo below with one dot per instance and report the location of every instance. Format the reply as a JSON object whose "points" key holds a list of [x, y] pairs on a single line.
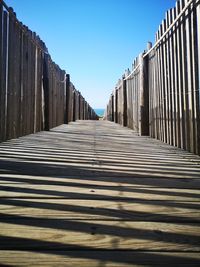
{"points": [[99, 111]]}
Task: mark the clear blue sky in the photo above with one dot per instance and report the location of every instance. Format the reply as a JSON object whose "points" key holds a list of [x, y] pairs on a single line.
{"points": [[93, 40]]}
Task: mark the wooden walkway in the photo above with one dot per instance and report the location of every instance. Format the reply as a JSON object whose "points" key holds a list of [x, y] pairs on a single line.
{"points": [[93, 193]]}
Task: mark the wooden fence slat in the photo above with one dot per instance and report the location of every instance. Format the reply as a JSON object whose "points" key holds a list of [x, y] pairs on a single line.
{"points": [[3, 73], [159, 89], [157, 93], [143, 95], [169, 92], [165, 81], [194, 55], [179, 80], [177, 95], [40, 93], [150, 96], [172, 82], [163, 87], [67, 98], [190, 146], [198, 75], [46, 83], [124, 103], [10, 94], [185, 80], [36, 88], [160, 68], [2, 94]]}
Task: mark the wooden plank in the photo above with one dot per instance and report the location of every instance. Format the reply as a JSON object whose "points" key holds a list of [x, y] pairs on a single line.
{"points": [[2, 93], [79, 209], [163, 103], [143, 97], [198, 77], [28, 86], [36, 88], [178, 81], [150, 98], [74, 105], [25, 117], [194, 74], [87, 257], [124, 103], [185, 80], [53, 95], [165, 88], [51, 92], [97, 193], [177, 96], [4, 74], [157, 95], [180, 78], [40, 95], [190, 122], [173, 81], [112, 108], [116, 105], [154, 97], [169, 84], [21, 74], [159, 88], [68, 93], [46, 92], [131, 104], [66, 234], [17, 79], [56, 107], [11, 66]]}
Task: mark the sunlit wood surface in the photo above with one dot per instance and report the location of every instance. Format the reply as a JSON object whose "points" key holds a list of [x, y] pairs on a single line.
{"points": [[93, 193]]}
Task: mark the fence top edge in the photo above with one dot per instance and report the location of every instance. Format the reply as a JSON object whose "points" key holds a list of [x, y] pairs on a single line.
{"points": [[171, 26]]}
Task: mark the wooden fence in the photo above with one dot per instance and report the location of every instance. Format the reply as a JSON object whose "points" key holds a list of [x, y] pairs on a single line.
{"points": [[35, 94], [160, 97]]}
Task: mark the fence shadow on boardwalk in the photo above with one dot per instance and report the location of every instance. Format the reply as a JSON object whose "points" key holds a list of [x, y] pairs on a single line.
{"points": [[72, 193]]}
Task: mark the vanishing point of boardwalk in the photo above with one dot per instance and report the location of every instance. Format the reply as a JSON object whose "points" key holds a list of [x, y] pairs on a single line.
{"points": [[93, 193]]}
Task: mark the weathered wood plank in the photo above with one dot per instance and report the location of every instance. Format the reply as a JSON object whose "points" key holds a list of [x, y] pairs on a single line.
{"points": [[18, 190], [97, 258], [2, 94], [165, 49], [4, 73], [198, 76], [59, 234], [83, 209]]}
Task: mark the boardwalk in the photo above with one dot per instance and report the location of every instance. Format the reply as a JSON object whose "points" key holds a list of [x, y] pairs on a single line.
{"points": [[96, 194]]}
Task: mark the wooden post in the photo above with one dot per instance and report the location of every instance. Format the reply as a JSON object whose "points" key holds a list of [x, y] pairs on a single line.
{"points": [[11, 67], [1, 74], [3, 78], [46, 93], [198, 81], [67, 104], [143, 97], [74, 105], [124, 105], [116, 105], [190, 83]]}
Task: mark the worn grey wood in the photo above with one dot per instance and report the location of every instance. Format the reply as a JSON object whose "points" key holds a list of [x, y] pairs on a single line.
{"points": [[198, 83], [92, 193]]}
